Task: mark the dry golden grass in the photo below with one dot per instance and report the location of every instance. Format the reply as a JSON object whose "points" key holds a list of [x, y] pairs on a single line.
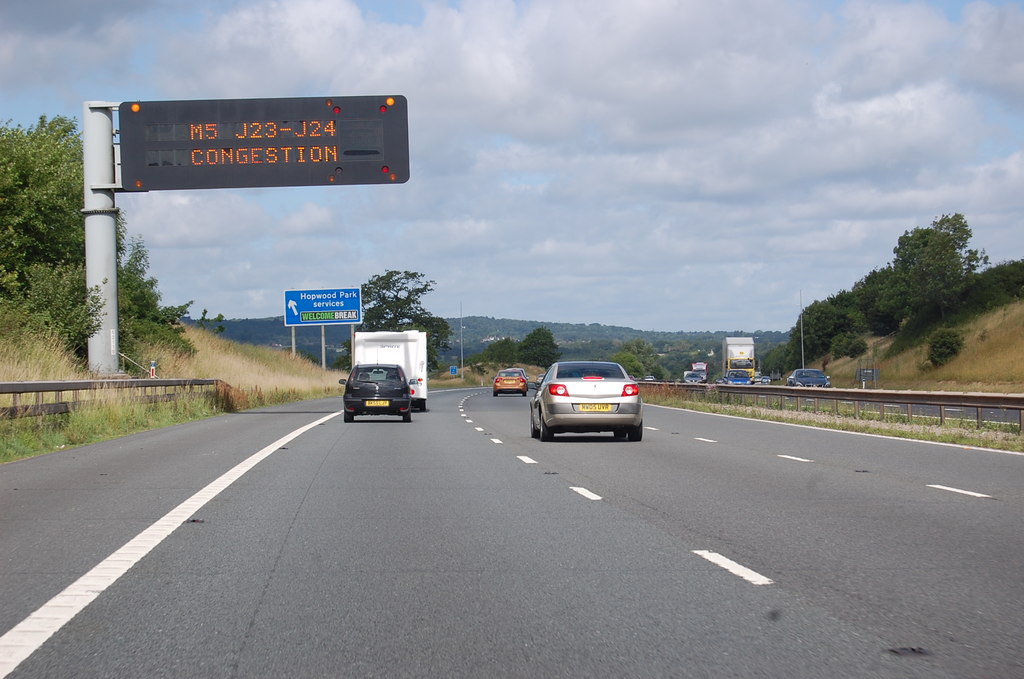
{"points": [[992, 360], [245, 366], [36, 358], [250, 376]]}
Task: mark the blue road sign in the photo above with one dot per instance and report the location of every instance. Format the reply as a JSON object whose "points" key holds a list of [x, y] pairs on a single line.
{"points": [[323, 307]]}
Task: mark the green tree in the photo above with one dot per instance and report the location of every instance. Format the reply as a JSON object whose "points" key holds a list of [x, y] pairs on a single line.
{"points": [[879, 301], [943, 345], [206, 323], [933, 266], [142, 319], [822, 322], [848, 344], [645, 356], [631, 362], [393, 301], [42, 251], [504, 351], [56, 297], [539, 348], [40, 199]]}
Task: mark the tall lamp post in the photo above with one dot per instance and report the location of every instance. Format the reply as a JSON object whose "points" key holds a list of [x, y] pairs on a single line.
{"points": [[802, 365]]}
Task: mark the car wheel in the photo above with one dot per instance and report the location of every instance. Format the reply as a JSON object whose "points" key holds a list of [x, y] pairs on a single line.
{"points": [[545, 432], [635, 433], [619, 433], [534, 432], [407, 416], [494, 394], [348, 417]]}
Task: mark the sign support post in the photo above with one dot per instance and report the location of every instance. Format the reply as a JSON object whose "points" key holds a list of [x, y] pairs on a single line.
{"points": [[101, 229]]}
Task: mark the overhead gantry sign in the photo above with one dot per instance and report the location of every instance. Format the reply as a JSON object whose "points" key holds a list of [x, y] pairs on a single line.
{"points": [[236, 143]]}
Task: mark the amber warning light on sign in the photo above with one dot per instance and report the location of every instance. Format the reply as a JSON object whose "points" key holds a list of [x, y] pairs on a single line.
{"points": [[237, 143]]}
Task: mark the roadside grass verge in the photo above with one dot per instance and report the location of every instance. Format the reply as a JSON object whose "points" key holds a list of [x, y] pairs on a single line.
{"points": [[955, 432], [98, 420], [251, 377]]}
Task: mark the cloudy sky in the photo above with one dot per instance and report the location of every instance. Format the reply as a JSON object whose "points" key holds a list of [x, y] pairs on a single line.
{"points": [[659, 164]]}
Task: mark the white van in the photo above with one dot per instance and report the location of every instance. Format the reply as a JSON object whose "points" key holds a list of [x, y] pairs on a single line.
{"points": [[407, 349]]}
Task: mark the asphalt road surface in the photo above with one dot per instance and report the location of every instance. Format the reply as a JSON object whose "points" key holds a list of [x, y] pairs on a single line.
{"points": [[283, 542]]}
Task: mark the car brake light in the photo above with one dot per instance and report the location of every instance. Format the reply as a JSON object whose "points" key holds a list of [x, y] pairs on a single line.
{"points": [[592, 377], [558, 390], [630, 390], [522, 381]]}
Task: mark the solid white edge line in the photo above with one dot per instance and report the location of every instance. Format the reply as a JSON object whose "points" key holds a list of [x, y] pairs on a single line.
{"points": [[585, 493], [842, 431], [958, 490], [795, 459], [526, 460], [750, 576], [30, 634]]}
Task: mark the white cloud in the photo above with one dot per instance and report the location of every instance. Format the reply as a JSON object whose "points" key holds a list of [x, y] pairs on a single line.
{"points": [[646, 163]]}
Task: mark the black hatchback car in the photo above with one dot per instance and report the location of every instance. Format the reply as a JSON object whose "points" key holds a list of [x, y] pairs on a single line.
{"points": [[377, 389]]}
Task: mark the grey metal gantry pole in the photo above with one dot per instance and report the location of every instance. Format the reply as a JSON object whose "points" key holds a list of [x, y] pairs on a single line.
{"points": [[101, 229]]}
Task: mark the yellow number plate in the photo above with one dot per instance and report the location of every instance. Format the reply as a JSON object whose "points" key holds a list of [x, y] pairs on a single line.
{"points": [[595, 407], [378, 404]]}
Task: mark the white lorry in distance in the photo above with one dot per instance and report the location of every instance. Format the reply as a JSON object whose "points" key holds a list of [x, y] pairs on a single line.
{"points": [[738, 354], [407, 348]]}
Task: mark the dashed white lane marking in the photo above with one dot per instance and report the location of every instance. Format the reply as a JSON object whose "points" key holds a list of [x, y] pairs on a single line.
{"points": [[697, 438], [26, 637], [526, 460], [585, 493], [495, 440], [957, 490], [651, 428], [795, 459], [733, 567], [478, 428]]}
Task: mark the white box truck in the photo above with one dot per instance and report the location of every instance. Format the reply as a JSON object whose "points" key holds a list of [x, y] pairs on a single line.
{"points": [[738, 354], [407, 348]]}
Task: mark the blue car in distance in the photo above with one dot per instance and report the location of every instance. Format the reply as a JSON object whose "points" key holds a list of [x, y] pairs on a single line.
{"points": [[736, 377], [808, 377]]}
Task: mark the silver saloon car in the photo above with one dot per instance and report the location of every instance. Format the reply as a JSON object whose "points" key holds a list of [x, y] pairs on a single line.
{"points": [[587, 396]]}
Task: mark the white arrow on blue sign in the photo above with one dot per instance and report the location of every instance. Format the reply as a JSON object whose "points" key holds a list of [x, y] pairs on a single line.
{"points": [[323, 307]]}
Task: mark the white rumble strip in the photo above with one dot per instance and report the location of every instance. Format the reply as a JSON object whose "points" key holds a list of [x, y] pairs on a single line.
{"points": [[957, 490], [750, 576], [585, 493]]}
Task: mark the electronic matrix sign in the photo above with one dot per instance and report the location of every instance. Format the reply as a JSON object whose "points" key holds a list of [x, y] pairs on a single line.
{"points": [[236, 143]]}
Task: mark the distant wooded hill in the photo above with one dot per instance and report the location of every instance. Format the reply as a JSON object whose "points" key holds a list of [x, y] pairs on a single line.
{"points": [[575, 340]]}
